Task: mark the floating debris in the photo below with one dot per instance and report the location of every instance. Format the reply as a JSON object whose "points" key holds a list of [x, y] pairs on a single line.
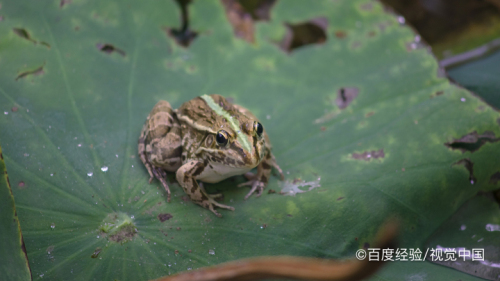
{"points": [[292, 188]]}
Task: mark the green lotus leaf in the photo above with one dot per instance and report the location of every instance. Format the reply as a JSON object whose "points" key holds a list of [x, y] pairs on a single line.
{"points": [[359, 114]]}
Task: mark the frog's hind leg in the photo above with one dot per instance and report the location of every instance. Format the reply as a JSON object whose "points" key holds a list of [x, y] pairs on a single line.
{"points": [[161, 175], [142, 152], [160, 143]]}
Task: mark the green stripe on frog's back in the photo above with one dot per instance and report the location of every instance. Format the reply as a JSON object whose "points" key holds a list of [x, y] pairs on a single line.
{"points": [[235, 125]]}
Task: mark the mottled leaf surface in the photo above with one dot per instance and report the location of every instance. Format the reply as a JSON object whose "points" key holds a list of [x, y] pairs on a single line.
{"points": [[91, 71]]}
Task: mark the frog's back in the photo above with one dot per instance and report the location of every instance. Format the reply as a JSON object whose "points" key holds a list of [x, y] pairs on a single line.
{"points": [[196, 111]]}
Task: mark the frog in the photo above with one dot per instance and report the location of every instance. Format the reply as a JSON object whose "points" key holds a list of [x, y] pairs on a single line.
{"points": [[206, 140]]}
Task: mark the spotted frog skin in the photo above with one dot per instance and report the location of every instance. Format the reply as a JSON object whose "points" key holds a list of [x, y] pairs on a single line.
{"points": [[207, 139]]}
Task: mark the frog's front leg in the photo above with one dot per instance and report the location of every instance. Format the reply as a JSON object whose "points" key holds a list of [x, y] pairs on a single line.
{"points": [[259, 181], [186, 176]]}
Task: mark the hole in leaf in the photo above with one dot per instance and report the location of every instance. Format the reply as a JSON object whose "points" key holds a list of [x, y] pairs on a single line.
{"points": [[183, 36], [302, 34], [109, 49], [368, 155], [345, 96], [23, 33], [472, 141], [258, 9], [164, 217], [242, 14], [37, 71], [470, 167], [438, 93], [340, 34], [495, 178], [64, 2]]}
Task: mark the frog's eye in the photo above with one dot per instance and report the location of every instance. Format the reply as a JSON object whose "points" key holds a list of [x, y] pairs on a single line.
{"points": [[258, 128], [221, 138]]}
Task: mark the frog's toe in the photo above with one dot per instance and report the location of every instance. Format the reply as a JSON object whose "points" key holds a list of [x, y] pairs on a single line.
{"points": [[222, 206], [225, 207], [211, 208], [256, 186], [212, 204], [251, 183], [216, 196]]}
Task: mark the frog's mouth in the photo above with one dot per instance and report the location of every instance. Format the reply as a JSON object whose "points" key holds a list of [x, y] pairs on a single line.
{"points": [[242, 158]]}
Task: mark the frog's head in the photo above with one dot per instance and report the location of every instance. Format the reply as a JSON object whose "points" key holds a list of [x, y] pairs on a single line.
{"points": [[237, 138]]}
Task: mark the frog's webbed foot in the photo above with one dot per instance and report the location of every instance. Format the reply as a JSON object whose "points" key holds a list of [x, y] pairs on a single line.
{"points": [[186, 176], [213, 196], [210, 203], [259, 181], [255, 183], [161, 175]]}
